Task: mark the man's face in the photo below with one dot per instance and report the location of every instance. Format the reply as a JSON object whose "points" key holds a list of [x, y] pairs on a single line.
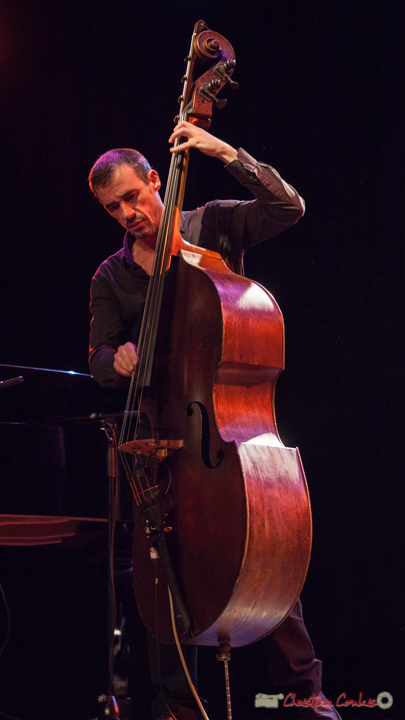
{"points": [[135, 204]]}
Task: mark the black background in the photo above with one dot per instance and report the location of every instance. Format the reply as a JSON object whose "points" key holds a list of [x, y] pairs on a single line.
{"points": [[322, 99]]}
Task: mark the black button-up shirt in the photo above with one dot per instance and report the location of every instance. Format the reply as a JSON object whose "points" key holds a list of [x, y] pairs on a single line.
{"points": [[119, 286]]}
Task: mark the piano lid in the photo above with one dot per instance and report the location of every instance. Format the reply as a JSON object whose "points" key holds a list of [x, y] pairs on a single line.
{"points": [[47, 393], [52, 455]]}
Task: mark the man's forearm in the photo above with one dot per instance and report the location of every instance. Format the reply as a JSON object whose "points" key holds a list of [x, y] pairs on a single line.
{"points": [[101, 364], [265, 183]]}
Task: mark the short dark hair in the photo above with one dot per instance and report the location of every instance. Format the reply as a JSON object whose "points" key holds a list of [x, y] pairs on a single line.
{"points": [[106, 165]]}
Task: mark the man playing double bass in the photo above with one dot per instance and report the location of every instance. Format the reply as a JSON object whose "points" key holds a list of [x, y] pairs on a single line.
{"points": [[128, 188]]}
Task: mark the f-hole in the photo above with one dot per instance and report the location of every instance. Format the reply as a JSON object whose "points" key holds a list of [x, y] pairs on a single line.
{"points": [[205, 436]]}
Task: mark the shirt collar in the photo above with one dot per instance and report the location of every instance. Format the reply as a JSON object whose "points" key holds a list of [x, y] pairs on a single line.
{"points": [[129, 262], [127, 250]]}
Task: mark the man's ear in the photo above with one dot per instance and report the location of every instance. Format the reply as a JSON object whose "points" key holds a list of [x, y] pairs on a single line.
{"points": [[154, 180]]}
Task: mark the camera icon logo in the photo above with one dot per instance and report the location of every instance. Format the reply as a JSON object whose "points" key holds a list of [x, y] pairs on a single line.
{"points": [[268, 701]]}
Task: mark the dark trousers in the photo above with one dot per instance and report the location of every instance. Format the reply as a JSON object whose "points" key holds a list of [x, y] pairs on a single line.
{"points": [[292, 666], [291, 658]]}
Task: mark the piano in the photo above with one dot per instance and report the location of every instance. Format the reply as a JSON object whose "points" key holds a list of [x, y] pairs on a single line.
{"points": [[53, 542], [53, 454]]}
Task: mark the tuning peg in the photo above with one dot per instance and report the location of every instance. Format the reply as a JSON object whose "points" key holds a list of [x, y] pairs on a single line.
{"points": [[222, 71], [230, 64], [219, 104], [215, 84], [206, 93]]}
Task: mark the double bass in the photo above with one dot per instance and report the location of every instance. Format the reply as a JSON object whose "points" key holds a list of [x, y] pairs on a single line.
{"points": [[223, 514]]}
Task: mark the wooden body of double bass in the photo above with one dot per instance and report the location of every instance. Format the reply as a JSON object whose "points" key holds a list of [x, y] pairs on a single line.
{"points": [[234, 497]]}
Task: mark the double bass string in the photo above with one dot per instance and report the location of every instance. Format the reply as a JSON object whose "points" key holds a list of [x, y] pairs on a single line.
{"points": [[147, 339], [148, 333], [155, 289], [139, 378]]}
